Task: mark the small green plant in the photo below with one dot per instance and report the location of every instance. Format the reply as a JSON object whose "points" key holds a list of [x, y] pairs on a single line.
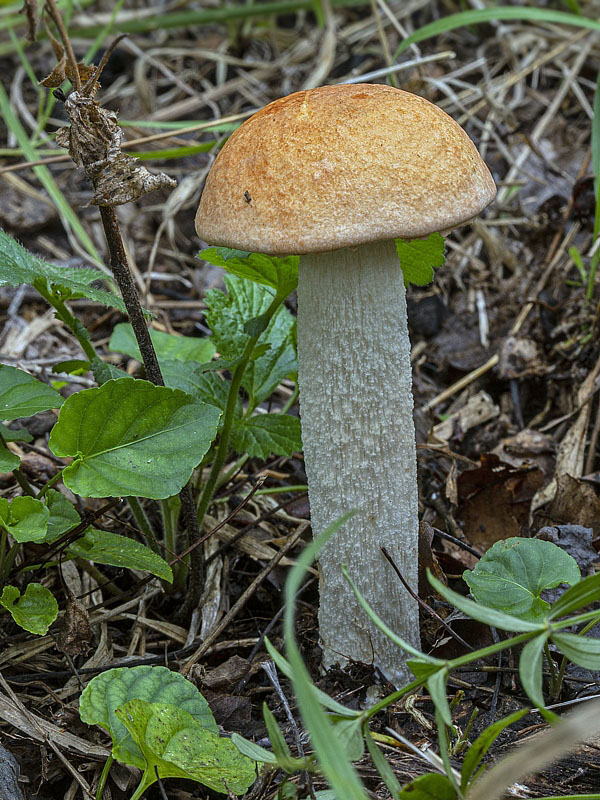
{"points": [[536, 624], [159, 722]]}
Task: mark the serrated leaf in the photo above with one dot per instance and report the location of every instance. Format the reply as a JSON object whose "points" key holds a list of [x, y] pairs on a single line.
{"points": [[132, 438], [253, 750], [167, 345], [22, 395], [530, 668], [18, 266], [428, 787], [111, 689], [482, 744], [63, 515], [25, 518], [8, 460], [419, 257], [586, 591], [581, 650], [227, 315], [207, 386], [513, 573], [280, 274], [105, 547], [267, 434], [17, 435], [497, 619], [174, 744], [103, 371], [35, 610]]}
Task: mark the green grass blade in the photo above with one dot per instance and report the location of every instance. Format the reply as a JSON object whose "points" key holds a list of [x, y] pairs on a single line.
{"points": [[338, 770], [492, 14]]}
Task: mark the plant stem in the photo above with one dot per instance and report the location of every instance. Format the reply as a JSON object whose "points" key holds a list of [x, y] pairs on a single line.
{"points": [[120, 268], [73, 324], [234, 388], [143, 522], [103, 778]]}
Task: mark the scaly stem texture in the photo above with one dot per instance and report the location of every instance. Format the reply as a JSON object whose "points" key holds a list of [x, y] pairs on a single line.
{"points": [[359, 447]]}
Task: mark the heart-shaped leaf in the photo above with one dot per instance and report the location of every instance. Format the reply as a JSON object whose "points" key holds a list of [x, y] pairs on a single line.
{"points": [[25, 518], [35, 610], [175, 745], [132, 438], [106, 692], [513, 573]]}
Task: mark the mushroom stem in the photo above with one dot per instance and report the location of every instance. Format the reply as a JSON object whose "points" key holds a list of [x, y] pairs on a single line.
{"points": [[359, 447]]}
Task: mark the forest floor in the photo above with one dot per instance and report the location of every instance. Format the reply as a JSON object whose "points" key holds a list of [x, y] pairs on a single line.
{"points": [[506, 363]]}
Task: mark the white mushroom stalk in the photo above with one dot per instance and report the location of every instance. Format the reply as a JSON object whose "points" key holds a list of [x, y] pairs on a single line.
{"points": [[359, 447]]}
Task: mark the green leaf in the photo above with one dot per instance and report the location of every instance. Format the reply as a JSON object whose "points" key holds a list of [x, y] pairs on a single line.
{"points": [[581, 650], [132, 438], [227, 314], [382, 765], [34, 611], [530, 668], [280, 274], [206, 386], [167, 345], [25, 518], [71, 366], [419, 257], [586, 591], [18, 265], [18, 435], [497, 619], [422, 669], [267, 434], [281, 751], [350, 733], [174, 744], [63, 515], [428, 787], [116, 550], [22, 395], [103, 371], [513, 573], [8, 460], [337, 768], [482, 744], [436, 684], [111, 689], [253, 750]]}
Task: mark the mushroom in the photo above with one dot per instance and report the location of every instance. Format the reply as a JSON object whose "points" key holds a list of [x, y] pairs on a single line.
{"points": [[335, 174]]}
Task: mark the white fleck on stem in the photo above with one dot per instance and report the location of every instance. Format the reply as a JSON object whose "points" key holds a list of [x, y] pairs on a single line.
{"points": [[359, 447]]}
